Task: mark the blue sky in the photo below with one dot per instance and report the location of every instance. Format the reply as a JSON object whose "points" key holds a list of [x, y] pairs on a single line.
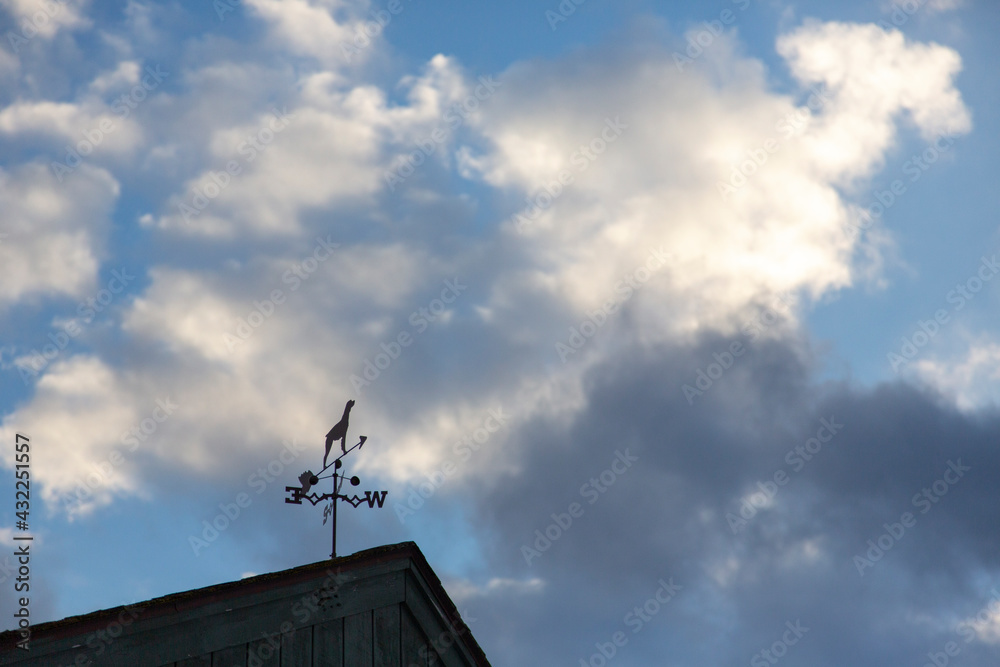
{"points": [[273, 199]]}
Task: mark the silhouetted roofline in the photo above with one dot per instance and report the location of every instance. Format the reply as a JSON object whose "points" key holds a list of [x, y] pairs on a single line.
{"points": [[177, 602]]}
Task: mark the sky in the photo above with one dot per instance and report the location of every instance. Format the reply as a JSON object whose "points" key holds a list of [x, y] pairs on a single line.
{"points": [[670, 325]]}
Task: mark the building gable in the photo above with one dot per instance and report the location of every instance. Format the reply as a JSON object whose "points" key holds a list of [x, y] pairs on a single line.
{"points": [[381, 607]]}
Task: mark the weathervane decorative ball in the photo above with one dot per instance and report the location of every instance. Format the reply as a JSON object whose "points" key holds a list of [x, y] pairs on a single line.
{"points": [[308, 479]]}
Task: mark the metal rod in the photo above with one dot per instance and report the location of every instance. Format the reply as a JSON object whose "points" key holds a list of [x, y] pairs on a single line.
{"points": [[299, 493], [333, 554], [336, 497], [333, 462]]}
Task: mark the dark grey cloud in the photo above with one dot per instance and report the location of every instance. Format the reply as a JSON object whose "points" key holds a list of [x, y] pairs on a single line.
{"points": [[793, 561]]}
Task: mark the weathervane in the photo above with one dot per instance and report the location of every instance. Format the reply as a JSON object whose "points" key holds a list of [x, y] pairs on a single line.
{"points": [[309, 480]]}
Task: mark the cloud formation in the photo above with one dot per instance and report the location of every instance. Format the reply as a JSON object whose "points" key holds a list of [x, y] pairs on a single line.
{"points": [[569, 243]]}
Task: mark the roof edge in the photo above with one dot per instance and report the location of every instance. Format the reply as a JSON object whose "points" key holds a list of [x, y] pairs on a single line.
{"points": [[167, 604]]}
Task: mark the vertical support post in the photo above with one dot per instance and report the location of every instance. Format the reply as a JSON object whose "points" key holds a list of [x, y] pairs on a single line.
{"points": [[333, 554], [337, 483]]}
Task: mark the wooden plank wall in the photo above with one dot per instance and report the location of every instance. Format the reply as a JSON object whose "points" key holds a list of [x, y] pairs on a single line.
{"points": [[384, 637], [383, 617]]}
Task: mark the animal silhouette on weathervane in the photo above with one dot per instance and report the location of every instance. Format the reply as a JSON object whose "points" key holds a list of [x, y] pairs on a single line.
{"points": [[339, 432], [308, 479]]}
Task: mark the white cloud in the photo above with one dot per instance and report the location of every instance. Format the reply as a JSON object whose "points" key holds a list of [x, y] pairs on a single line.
{"points": [[309, 27], [227, 379], [238, 402], [987, 624], [182, 311], [45, 17], [666, 139], [126, 74], [658, 184], [874, 75], [55, 231], [327, 151], [463, 591], [89, 127], [75, 421], [972, 382], [8, 64]]}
